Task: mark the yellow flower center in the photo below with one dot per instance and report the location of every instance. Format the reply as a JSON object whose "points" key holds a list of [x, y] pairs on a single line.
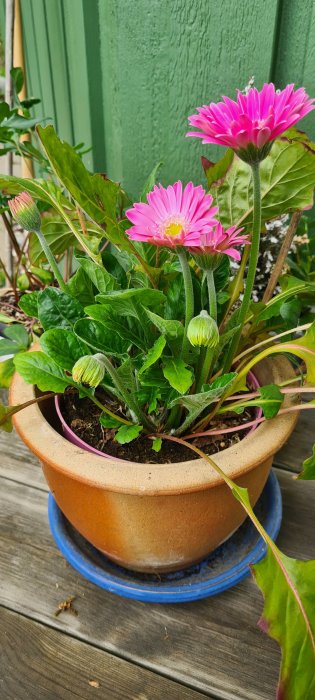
{"points": [[173, 229]]}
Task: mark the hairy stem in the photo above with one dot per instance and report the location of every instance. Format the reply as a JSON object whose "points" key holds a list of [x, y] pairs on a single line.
{"points": [[126, 396], [252, 266], [207, 355], [52, 261], [189, 297]]}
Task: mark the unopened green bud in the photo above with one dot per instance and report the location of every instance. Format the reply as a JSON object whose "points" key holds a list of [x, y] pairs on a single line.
{"points": [[89, 369], [25, 212], [203, 331]]}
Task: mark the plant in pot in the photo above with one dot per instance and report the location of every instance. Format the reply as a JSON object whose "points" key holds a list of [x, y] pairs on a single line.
{"points": [[174, 388]]}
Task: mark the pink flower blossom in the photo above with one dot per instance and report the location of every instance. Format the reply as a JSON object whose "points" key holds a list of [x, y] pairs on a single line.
{"points": [[254, 119], [173, 216], [220, 241]]}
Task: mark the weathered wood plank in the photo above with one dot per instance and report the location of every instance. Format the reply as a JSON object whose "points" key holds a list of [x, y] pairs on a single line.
{"points": [[38, 662], [201, 644], [299, 446]]}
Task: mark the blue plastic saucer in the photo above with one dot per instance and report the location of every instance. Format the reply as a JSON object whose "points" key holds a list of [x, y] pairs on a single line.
{"points": [[224, 568]]}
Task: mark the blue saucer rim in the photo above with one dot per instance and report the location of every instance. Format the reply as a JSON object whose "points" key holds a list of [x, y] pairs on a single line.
{"points": [[183, 592]]}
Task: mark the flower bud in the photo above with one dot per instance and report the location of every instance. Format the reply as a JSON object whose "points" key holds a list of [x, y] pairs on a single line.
{"points": [[89, 369], [25, 212], [203, 331]]}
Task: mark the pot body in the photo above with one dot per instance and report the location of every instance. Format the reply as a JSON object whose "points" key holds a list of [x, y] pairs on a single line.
{"points": [[152, 517], [154, 533]]}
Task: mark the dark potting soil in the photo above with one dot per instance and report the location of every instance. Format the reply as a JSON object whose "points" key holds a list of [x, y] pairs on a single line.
{"points": [[82, 415]]}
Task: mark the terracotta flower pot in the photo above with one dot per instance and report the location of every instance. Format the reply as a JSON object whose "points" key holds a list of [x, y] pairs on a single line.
{"points": [[152, 517]]}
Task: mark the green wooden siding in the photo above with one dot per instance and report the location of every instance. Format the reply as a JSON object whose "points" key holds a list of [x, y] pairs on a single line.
{"points": [[123, 75]]}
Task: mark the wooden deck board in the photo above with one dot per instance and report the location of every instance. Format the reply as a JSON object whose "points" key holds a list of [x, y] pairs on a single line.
{"points": [[201, 645], [38, 663]]}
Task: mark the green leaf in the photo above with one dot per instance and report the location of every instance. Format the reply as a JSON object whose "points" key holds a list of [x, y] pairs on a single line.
{"points": [[149, 395], [222, 273], [80, 287], [16, 339], [6, 373], [275, 305], [58, 236], [100, 338], [196, 403], [101, 279], [18, 335], [287, 184], [4, 111], [96, 195], [308, 471], [109, 422], [226, 337], [288, 616], [63, 347], [157, 444], [8, 347], [154, 354], [5, 419], [29, 304], [150, 182], [43, 190], [172, 330], [127, 433], [178, 375], [304, 348], [115, 324], [6, 319], [272, 394], [144, 296], [39, 369], [127, 376], [58, 310], [215, 172]]}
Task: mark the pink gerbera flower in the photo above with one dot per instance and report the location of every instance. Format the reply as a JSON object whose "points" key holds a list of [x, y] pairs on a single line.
{"points": [[212, 245], [173, 216], [253, 121]]}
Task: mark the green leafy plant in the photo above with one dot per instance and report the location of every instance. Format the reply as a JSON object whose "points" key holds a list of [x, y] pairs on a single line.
{"points": [[154, 329]]}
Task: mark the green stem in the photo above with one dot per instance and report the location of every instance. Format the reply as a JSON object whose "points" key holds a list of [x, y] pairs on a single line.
{"points": [[126, 396], [211, 294], [189, 297], [252, 266], [206, 358], [103, 408], [52, 261]]}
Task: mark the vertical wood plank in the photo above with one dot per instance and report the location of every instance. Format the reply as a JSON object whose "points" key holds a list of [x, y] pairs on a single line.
{"points": [[58, 64], [295, 55], [160, 61]]}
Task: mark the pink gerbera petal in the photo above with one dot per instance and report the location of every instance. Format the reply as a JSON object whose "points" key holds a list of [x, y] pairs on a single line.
{"points": [[173, 216], [253, 120], [220, 241]]}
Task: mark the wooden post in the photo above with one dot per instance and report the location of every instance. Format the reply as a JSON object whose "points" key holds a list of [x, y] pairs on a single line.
{"points": [[19, 62], [9, 28]]}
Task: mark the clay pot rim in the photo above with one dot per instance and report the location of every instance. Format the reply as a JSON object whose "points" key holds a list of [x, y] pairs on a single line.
{"points": [[152, 479]]}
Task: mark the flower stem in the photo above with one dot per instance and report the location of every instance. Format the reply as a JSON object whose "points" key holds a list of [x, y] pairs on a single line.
{"points": [[212, 294], [189, 297], [52, 261], [253, 258], [206, 358], [130, 402]]}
